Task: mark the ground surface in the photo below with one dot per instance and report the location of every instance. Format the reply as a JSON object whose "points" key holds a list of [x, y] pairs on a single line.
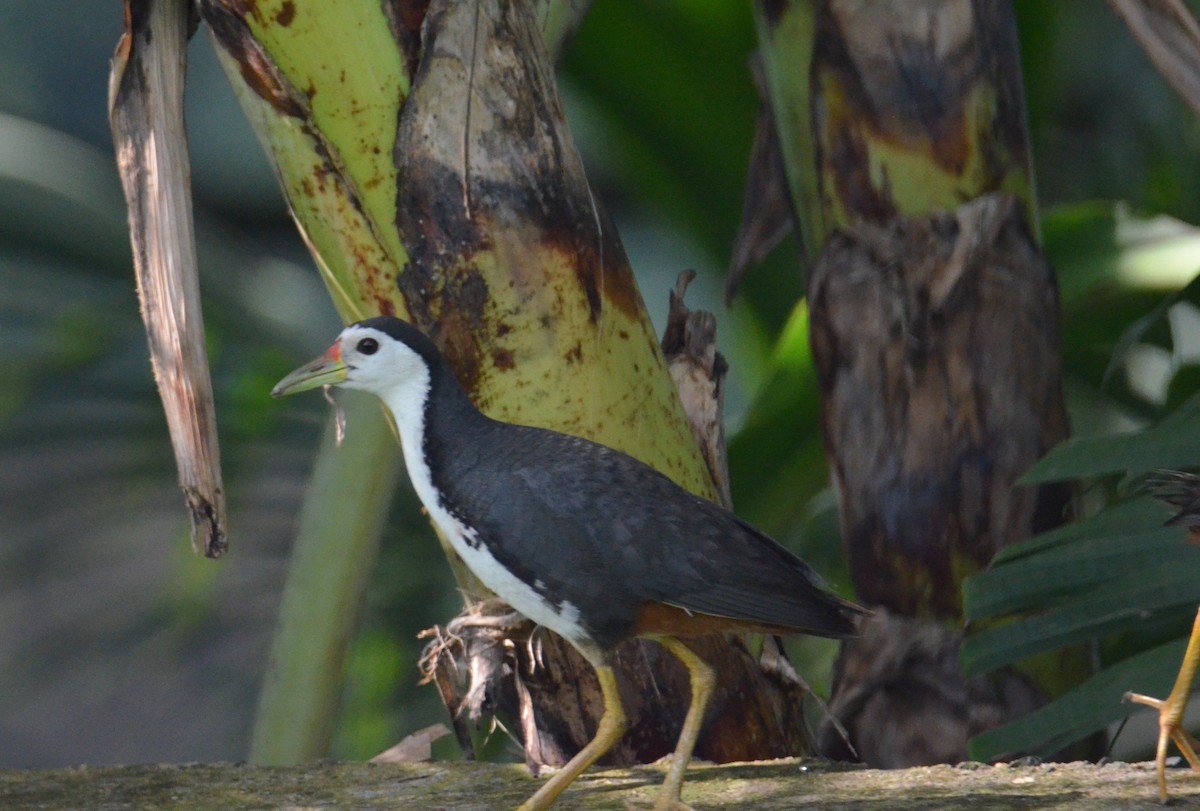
{"points": [[775, 786]]}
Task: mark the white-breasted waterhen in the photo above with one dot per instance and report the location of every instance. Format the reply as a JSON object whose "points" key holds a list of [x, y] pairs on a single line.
{"points": [[580, 538]]}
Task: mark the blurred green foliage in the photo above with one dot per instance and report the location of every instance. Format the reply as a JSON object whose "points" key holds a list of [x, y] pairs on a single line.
{"points": [[125, 648]]}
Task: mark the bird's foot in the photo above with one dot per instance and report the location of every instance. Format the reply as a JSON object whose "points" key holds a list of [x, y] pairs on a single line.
{"points": [[668, 798], [491, 614], [1170, 712]]}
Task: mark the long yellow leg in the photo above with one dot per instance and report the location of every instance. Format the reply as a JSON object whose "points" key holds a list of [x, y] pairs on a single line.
{"points": [[612, 726], [1170, 711], [702, 682]]}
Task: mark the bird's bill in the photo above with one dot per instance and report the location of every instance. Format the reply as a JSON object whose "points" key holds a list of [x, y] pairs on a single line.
{"points": [[327, 370]]}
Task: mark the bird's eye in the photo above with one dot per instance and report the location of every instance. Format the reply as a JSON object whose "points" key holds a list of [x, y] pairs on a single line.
{"points": [[368, 346]]}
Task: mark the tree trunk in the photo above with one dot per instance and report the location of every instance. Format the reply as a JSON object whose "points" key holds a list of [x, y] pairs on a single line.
{"points": [[934, 329]]}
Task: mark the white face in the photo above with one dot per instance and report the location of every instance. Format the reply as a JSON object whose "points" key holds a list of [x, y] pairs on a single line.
{"points": [[378, 363]]}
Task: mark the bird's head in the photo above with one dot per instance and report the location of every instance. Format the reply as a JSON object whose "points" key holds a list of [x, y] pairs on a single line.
{"points": [[381, 355]]}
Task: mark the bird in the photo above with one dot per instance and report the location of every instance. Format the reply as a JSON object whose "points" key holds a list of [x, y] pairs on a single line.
{"points": [[582, 539]]}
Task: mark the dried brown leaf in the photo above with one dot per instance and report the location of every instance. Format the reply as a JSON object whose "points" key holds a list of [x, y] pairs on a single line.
{"points": [[415, 748], [146, 115], [689, 344]]}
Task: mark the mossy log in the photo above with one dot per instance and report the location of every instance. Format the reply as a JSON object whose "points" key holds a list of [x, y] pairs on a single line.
{"points": [[768, 786]]}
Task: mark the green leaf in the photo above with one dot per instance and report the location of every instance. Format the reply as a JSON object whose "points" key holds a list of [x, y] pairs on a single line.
{"points": [[776, 459], [1036, 581], [1126, 603], [1127, 516], [1081, 242], [1174, 443], [1184, 383], [1088, 708]]}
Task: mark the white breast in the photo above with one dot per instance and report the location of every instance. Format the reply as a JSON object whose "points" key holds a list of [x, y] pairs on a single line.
{"points": [[407, 405]]}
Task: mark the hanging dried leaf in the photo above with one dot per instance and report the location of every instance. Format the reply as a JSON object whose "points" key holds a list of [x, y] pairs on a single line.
{"points": [[146, 115]]}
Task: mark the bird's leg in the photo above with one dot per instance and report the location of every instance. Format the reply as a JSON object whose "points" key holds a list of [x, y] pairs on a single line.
{"points": [[612, 726], [702, 682], [1170, 711]]}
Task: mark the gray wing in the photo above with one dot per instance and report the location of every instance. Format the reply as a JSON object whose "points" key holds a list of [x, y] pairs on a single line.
{"points": [[607, 534]]}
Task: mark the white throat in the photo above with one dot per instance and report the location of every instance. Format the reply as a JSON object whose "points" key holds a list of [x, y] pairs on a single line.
{"points": [[407, 401]]}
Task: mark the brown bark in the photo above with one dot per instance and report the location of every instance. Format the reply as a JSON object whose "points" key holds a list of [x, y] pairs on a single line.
{"points": [[934, 329], [936, 344], [901, 700], [689, 344]]}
